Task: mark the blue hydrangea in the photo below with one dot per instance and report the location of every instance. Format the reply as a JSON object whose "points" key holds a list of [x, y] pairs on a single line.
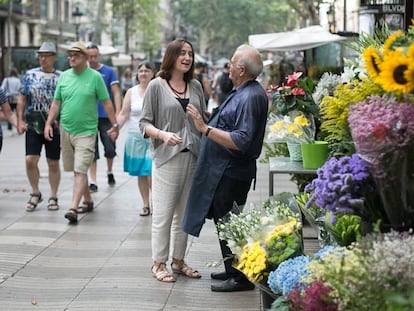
{"points": [[288, 274], [319, 254]]}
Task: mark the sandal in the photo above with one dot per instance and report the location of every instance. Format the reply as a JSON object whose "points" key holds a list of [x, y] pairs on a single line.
{"points": [[182, 268], [162, 274], [145, 211], [72, 215], [86, 208], [31, 206], [52, 204]]}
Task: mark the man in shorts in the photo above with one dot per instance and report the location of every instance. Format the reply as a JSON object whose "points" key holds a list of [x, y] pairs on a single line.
{"points": [[112, 85], [75, 99], [36, 96]]}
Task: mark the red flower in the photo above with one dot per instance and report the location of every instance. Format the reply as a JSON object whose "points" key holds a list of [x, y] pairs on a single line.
{"points": [[298, 91], [293, 78], [380, 131]]}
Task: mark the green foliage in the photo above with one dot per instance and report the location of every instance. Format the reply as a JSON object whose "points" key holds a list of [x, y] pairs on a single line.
{"points": [[139, 16], [345, 230], [223, 25], [400, 300]]}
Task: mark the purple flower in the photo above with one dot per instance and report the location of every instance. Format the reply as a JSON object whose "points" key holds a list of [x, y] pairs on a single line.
{"points": [[341, 186]]}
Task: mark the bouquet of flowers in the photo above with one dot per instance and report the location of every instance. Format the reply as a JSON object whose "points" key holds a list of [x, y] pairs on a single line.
{"points": [[272, 237], [294, 127], [382, 127], [383, 132], [295, 95], [345, 185], [339, 278]]}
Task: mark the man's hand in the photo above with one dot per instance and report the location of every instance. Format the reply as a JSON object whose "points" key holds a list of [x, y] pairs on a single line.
{"points": [[48, 132], [113, 133], [197, 118]]}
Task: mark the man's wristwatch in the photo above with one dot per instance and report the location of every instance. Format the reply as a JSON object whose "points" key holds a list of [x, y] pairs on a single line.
{"points": [[116, 125], [208, 130]]}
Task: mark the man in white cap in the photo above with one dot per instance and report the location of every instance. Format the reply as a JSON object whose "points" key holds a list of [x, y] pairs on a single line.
{"points": [[78, 90], [36, 96]]}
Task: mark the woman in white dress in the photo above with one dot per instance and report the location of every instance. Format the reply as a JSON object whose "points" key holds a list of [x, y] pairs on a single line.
{"points": [[137, 153]]}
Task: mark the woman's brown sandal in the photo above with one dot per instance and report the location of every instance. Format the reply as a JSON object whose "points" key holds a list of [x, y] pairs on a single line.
{"points": [[145, 211], [161, 273], [87, 207], [31, 206], [182, 268]]}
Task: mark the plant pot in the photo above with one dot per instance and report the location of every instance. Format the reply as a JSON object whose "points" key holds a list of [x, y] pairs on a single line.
{"points": [[295, 151], [314, 154]]}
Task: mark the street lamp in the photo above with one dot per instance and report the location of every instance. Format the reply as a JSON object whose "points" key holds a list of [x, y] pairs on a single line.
{"points": [[77, 14]]}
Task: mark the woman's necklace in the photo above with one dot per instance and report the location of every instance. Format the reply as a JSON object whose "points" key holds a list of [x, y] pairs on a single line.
{"points": [[179, 94]]}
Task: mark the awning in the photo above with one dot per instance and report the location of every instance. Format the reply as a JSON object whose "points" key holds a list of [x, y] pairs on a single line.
{"points": [[296, 40]]}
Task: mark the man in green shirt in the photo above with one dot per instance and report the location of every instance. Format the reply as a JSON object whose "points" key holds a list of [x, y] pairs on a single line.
{"points": [[75, 99]]}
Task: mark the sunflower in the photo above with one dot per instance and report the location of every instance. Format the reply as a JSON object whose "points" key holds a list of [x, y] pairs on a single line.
{"points": [[388, 43], [410, 53], [372, 61], [392, 75], [409, 73]]}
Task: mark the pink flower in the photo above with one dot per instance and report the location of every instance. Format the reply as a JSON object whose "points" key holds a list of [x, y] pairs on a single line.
{"points": [[293, 78], [298, 91]]}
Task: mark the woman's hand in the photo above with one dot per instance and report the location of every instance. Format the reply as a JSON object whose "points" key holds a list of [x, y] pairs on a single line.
{"points": [[171, 139]]}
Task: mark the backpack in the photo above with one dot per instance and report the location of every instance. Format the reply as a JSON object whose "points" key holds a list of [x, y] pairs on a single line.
{"points": [[226, 85]]}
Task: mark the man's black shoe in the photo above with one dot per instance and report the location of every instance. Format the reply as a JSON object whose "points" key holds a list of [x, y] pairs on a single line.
{"points": [[231, 285], [219, 276]]}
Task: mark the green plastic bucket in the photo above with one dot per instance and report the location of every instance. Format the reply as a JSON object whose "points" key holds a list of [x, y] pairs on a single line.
{"points": [[315, 154]]}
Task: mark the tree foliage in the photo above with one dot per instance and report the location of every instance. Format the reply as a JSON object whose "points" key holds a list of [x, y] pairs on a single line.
{"points": [[220, 26], [140, 19]]}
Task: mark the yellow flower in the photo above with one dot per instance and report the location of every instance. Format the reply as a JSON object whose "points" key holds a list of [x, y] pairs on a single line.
{"points": [[253, 262], [301, 121], [372, 61], [393, 73], [390, 40], [294, 130], [277, 126]]}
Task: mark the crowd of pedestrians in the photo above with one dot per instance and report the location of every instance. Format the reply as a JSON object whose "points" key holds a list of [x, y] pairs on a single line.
{"points": [[191, 163]]}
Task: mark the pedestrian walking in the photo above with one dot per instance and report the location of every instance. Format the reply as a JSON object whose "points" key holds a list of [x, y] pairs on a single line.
{"points": [[38, 87], [127, 81], [226, 165], [11, 85], [77, 91], [137, 154], [112, 85], [8, 113], [175, 144]]}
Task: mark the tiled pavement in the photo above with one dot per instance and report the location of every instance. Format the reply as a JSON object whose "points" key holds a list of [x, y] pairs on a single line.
{"points": [[103, 263]]}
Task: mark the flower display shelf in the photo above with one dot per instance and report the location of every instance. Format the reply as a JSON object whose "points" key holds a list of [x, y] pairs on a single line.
{"points": [[266, 294]]}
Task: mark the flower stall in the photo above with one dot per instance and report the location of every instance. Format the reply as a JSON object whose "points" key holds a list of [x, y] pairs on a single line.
{"points": [[361, 202]]}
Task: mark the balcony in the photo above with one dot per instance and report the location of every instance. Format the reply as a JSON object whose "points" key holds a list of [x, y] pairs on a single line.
{"points": [[381, 2]]}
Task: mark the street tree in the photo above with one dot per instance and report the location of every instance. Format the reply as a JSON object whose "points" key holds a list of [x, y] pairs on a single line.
{"points": [[220, 26], [140, 21]]}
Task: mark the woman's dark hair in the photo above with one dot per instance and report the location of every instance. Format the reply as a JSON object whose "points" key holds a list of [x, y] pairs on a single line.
{"points": [[171, 54], [14, 72], [147, 65]]}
